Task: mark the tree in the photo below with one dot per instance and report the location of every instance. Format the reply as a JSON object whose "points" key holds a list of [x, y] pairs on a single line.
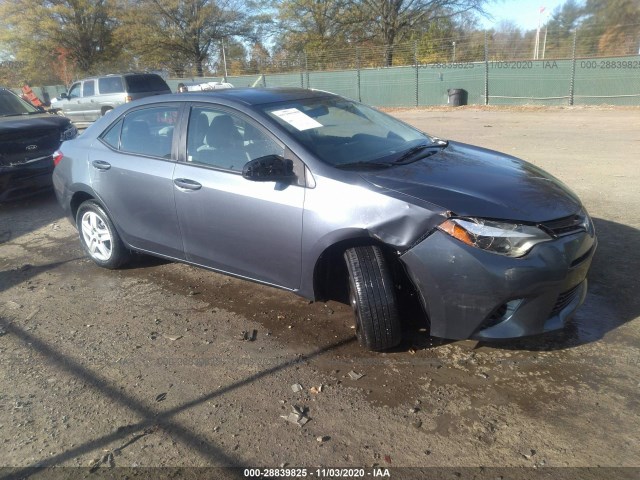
{"points": [[181, 33], [392, 21], [507, 42], [36, 30], [259, 58], [561, 27], [313, 25], [611, 27]]}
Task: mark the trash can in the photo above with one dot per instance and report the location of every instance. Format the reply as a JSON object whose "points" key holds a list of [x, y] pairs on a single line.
{"points": [[457, 97]]}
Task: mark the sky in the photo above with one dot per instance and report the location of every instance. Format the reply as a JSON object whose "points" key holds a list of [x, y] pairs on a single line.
{"points": [[524, 13]]}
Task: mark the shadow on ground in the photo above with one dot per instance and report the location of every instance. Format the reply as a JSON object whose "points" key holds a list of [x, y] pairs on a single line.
{"points": [[152, 419]]}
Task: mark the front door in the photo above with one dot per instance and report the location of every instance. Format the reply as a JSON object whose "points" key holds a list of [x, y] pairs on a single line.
{"points": [[250, 229], [72, 109]]}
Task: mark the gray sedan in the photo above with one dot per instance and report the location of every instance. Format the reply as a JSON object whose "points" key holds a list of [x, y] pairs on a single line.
{"points": [[328, 198]]}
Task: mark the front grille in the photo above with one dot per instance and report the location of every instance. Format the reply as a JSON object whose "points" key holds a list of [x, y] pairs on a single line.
{"points": [[28, 146], [565, 299], [567, 225]]}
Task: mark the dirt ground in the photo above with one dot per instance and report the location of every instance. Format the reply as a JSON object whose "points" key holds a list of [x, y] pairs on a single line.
{"points": [[148, 366]]}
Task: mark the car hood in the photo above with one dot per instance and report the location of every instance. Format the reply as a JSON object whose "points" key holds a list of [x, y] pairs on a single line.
{"points": [[36, 121], [473, 181], [30, 138]]}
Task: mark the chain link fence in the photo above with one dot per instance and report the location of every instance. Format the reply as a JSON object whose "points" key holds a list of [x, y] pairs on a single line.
{"points": [[586, 66], [549, 67]]}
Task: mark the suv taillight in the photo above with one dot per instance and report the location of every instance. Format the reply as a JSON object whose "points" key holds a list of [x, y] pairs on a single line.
{"points": [[128, 99], [57, 156]]}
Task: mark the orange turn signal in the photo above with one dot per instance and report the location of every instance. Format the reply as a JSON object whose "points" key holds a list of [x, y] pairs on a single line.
{"points": [[456, 231]]}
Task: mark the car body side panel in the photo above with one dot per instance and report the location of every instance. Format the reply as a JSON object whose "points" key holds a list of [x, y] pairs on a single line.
{"points": [[250, 229], [336, 211], [138, 191]]}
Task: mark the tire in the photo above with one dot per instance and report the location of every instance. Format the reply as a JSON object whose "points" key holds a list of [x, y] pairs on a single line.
{"points": [[106, 110], [372, 297], [98, 236]]}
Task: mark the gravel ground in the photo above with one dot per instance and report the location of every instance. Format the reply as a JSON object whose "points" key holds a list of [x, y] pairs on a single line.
{"points": [[148, 366]]}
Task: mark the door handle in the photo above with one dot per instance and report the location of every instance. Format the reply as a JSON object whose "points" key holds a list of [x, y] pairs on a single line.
{"points": [[101, 165], [187, 184]]}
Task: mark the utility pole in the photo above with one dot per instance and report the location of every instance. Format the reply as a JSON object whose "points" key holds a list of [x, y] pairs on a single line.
{"points": [[224, 60]]}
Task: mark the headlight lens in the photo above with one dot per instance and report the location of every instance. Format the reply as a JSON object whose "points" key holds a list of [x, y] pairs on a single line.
{"points": [[508, 239], [69, 133]]}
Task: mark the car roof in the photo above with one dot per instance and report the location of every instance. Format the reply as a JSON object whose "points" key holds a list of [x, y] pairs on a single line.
{"points": [[258, 96], [108, 75]]}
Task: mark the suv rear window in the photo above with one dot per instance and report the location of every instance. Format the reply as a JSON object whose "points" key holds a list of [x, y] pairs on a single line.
{"points": [[146, 83], [110, 85]]}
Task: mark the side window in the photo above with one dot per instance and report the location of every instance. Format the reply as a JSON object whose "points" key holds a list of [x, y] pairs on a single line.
{"points": [[223, 140], [148, 131], [89, 88], [112, 136], [74, 91], [110, 85]]}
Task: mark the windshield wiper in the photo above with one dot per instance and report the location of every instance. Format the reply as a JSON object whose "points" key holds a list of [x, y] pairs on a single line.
{"points": [[406, 156], [363, 165]]}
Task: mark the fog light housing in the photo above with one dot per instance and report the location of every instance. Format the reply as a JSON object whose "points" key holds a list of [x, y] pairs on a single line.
{"points": [[503, 313]]}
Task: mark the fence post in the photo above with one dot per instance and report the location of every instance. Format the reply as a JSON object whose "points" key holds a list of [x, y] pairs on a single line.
{"points": [[301, 73], [415, 61], [358, 72], [573, 68], [306, 68], [486, 67]]}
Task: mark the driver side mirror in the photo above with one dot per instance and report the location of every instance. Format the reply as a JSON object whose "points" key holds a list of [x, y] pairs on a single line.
{"points": [[270, 168]]}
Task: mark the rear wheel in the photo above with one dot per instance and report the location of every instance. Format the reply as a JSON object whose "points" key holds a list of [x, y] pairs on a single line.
{"points": [[98, 236], [372, 297]]}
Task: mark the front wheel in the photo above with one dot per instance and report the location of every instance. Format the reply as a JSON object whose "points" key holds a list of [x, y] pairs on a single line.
{"points": [[98, 236], [372, 297]]}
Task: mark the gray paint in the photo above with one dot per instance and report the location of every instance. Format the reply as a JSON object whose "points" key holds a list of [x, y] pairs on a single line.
{"points": [[275, 234]]}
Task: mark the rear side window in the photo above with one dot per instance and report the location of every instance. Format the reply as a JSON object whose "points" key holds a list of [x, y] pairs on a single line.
{"points": [[112, 136], [149, 131], [110, 85], [145, 83], [89, 88]]}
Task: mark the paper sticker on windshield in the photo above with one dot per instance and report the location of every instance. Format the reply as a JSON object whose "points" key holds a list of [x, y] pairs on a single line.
{"points": [[297, 119]]}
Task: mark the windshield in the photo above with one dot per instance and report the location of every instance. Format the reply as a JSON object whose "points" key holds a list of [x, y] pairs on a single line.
{"points": [[11, 104], [341, 132]]}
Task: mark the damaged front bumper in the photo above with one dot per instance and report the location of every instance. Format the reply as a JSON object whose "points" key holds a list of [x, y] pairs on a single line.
{"points": [[471, 293]]}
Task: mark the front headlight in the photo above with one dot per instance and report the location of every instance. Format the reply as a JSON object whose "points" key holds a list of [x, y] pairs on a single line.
{"points": [[510, 239], [69, 133]]}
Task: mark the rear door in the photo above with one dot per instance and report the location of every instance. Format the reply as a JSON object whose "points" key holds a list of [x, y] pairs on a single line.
{"points": [[250, 229], [89, 108], [132, 167]]}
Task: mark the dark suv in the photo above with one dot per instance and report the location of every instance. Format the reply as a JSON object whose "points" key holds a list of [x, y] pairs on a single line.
{"points": [[89, 99], [28, 138]]}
